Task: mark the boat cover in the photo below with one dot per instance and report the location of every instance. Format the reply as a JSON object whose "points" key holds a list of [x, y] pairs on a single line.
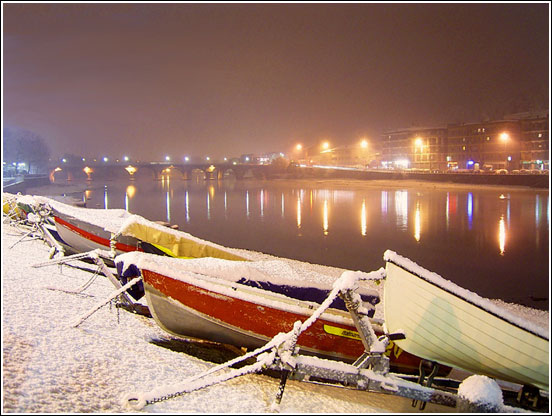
{"points": [[172, 242]]}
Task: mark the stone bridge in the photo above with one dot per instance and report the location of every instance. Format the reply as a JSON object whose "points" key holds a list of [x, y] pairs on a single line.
{"points": [[156, 170]]}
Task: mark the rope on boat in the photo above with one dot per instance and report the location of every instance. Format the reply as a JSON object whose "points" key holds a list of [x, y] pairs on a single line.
{"points": [[279, 345], [106, 301]]}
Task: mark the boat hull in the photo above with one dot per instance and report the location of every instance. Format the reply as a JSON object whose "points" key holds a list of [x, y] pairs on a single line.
{"points": [[81, 236], [247, 317], [442, 326]]}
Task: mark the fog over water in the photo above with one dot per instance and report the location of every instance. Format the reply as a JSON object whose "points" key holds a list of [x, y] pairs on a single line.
{"points": [[491, 240]]}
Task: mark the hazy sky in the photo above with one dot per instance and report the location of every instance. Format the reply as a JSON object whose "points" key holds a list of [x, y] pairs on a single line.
{"points": [[226, 79]]}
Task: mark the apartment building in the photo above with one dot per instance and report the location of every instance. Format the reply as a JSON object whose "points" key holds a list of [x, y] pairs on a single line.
{"points": [[416, 147], [518, 141]]}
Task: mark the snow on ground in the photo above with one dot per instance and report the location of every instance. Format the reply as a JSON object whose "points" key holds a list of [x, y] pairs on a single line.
{"points": [[48, 366]]}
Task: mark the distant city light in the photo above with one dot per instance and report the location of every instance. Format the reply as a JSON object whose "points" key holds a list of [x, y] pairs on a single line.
{"points": [[207, 158], [105, 159], [186, 159], [125, 158], [402, 163], [167, 158], [130, 169]]}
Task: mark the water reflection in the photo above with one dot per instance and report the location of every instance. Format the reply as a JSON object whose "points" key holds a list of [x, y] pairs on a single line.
{"points": [[299, 212], [208, 207], [501, 235], [106, 199], [187, 206], [417, 222], [262, 203], [452, 201], [325, 216], [129, 194], [363, 227], [168, 204], [384, 203], [401, 209], [469, 210]]}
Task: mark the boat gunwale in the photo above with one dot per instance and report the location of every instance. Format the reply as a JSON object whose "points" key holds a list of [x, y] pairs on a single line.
{"points": [[95, 238], [305, 308], [465, 299]]}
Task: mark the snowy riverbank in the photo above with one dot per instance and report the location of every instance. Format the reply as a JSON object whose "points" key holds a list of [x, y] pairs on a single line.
{"points": [[51, 367]]}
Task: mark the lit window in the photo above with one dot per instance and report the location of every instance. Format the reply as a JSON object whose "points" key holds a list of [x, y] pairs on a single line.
{"points": [[540, 135], [463, 147]]}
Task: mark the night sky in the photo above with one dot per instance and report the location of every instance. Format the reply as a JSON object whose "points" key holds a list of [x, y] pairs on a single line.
{"points": [[228, 79]]}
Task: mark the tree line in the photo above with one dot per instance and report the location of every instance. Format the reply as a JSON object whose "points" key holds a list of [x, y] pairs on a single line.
{"points": [[24, 151]]}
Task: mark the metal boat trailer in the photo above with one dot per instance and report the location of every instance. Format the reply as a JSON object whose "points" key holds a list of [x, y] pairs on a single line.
{"points": [[370, 372]]}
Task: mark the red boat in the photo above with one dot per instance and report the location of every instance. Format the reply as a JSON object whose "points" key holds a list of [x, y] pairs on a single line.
{"points": [[217, 300]]}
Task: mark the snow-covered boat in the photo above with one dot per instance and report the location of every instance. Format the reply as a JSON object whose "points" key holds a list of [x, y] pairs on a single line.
{"points": [[118, 231], [445, 323], [247, 303], [87, 229]]}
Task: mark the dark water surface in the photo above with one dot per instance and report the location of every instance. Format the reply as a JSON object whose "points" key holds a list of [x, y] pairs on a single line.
{"points": [[492, 241]]}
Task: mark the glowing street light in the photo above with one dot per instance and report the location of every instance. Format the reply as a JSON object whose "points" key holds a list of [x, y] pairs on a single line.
{"points": [[419, 144], [105, 159], [325, 145], [167, 158], [505, 137], [125, 158], [299, 147]]}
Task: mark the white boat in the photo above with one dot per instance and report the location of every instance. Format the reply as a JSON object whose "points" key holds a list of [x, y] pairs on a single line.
{"points": [[445, 323]]}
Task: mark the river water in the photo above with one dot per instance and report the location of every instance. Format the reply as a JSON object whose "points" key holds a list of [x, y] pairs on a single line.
{"points": [[493, 241]]}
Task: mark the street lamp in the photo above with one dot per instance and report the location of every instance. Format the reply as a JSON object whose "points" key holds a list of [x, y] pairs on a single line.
{"points": [[419, 143], [364, 159], [505, 137]]}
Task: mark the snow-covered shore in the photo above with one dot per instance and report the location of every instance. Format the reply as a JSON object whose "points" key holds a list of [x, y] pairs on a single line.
{"points": [[51, 367]]}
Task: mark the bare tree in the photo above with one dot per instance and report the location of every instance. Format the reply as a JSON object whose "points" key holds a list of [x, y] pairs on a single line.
{"points": [[24, 146]]}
